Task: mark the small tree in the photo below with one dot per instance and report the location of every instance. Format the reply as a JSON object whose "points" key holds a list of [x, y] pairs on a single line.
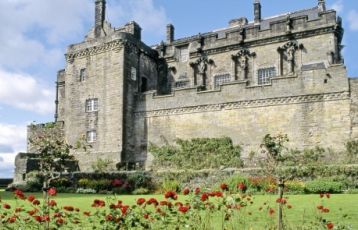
{"points": [[274, 149], [53, 154]]}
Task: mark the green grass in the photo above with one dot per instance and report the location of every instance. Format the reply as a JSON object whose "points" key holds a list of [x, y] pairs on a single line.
{"points": [[304, 206]]}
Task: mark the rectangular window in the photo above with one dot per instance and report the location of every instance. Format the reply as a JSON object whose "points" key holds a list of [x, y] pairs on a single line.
{"points": [[83, 74], [183, 54], [181, 84], [220, 79], [133, 73], [265, 75], [92, 105], [91, 136]]}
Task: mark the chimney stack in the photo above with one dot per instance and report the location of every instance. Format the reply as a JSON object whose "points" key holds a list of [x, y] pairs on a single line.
{"points": [[100, 15], [257, 11], [170, 33], [321, 5]]}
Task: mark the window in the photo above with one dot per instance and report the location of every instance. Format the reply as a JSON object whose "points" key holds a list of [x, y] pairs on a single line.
{"points": [[183, 54], [133, 73], [220, 79], [83, 74], [91, 136], [92, 105], [264, 75], [181, 84]]}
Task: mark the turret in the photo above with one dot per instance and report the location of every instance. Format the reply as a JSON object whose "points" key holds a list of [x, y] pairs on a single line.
{"points": [[100, 15]]}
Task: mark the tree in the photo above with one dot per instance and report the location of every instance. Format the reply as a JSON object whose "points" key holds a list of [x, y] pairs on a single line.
{"points": [[274, 149], [53, 151]]}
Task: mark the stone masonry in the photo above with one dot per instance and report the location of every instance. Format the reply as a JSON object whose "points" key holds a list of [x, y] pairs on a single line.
{"points": [[283, 74]]}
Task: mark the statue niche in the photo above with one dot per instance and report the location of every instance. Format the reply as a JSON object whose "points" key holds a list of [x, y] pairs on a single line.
{"points": [[288, 52], [200, 67], [241, 59]]}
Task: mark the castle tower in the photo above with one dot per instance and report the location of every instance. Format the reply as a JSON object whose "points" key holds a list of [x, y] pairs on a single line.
{"points": [[321, 5]]}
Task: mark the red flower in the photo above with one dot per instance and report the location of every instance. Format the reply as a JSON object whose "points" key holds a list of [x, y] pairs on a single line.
{"points": [[321, 195], [36, 202], [152, 201], [6, 206], [11, 219], [57, 214], [289, 206], [31, 198], [218, 194], [77, 209], [18, 209], [328, 195], [109, 217], [281, 200], [320, 207], [68, 208], [124, 209], [140, 201], [52, 191], [197, 191], [183, 209], [19, 194], [325, 210], [117, 183], [87, 213], [98, 203], [45, 218], [38, 218], [179, 204], [224, 187], [32, 212], [186, 191], [146, 216], [241, 186], [271, 211], [330, 225], [204, 197], [52, 203], [60, 221], [171, 194]]}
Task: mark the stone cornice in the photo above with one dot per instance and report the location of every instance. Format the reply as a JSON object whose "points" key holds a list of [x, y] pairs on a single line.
{"points": [[113, 45], [246, 104]]}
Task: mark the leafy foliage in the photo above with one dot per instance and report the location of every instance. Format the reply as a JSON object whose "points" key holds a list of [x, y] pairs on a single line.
{"points": [[323, 186], [102, 165], [198, 153]]}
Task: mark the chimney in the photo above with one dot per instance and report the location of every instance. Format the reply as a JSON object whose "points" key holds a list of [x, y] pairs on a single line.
{"points": [[100, 15], [170, 33], [257, 11], [321, 5]]}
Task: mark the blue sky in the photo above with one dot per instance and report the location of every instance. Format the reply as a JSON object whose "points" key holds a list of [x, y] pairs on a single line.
{"points": [[34, 35]]}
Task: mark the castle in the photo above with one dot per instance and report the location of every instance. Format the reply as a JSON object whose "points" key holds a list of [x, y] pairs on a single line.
{"points": [[283, 74]]}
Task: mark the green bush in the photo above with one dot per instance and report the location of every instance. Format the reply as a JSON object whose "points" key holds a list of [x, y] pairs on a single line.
{"points": [[323, 186], [140, 180], [198, 153], [295, 187], [141, 191], [170, 185], [61, 182], [234, 180], [83, 183]]}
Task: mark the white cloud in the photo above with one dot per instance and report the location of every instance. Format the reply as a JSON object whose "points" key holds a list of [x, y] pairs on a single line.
{"points": [[353, 20], [25, 92], [151, 18], [15, 137], [338, 6]]}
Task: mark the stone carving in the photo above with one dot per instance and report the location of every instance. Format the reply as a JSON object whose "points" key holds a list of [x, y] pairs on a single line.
{"points": [[246, 104], [242, 59], [290, 49], [201, 65]]}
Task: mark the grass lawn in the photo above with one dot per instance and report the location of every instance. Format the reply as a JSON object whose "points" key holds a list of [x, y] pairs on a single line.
{"points": [[304, 206]]}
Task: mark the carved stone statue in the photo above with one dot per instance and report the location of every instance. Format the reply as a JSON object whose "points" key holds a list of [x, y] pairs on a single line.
{"points": [[201, 65], [241, 58], [290, 49]]}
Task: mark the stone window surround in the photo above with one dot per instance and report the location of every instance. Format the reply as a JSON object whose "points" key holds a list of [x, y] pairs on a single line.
{"points": [[91, 136], [227, 78], [83, 74], [92, 105], [183, 56], [265, 79]]}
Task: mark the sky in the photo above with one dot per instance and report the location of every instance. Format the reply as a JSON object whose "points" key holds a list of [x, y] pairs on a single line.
{"points": [[34, 35]]}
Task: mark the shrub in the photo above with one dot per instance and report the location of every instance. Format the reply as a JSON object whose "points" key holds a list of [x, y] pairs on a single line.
{"points": [[61, 182], [141, 191], [85, 191], [83, 183], [170, 185], [323, 186], [198, 153], [352, 150], [140, 180], [295, 187], [102, 165], [234, 180]]}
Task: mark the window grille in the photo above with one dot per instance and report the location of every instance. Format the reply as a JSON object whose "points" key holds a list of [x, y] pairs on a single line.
{"points": [[91, 136], [220, 79], [265, 75], [92, 105], [181, 84]]}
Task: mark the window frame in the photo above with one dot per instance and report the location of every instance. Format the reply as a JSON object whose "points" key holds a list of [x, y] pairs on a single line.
{"points": [[226, 76], [91, 105], [264, 75], [83, 74], [183, 56], [91, 136]]}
